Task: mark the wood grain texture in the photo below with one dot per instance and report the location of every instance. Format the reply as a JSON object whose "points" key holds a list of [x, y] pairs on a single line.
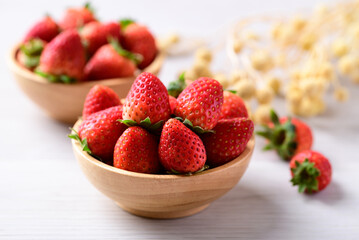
{"points": [[64, 102], [162, 196]]}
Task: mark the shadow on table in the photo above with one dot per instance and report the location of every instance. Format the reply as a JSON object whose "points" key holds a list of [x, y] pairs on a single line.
{"points": [[330, 196], [242, 212]]}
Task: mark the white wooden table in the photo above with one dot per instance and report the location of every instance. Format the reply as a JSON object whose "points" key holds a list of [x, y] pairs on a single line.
{"points": [[44, 195]]}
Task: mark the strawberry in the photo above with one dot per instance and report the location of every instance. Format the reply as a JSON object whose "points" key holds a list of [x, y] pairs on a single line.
{"points": [[137, 151], [46, 29], [63, 59], [311, 171], [173, 103], [201, 103], [95, 34], [29, 53], [180, 149], [99, 133], [147, 98], [229, 140], [110, 61], [138, 39], [233, 106], [77, 17], [99, 98], [288, 136]]}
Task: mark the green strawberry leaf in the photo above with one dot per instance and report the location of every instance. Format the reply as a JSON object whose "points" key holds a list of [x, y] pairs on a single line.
{"points": [[83, 142], [146, 124], [281, 137], [33, 47], [32, 61], [128, 122], [232, 91], [197, 129], [176, 87], [135, 57], [305, 175], [55, 78], [126, 22]]}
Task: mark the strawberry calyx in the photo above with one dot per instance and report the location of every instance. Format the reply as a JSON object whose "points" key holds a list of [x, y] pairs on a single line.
{"points": [[55, 78], [126, 22], [196, 129], [83, 142], [176, 87], [135, 57], [305, 175], [146, 124], [32, 51], [281, 137], [174, 172]]}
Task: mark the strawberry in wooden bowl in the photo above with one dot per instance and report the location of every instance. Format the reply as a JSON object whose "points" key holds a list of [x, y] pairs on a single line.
{"points": [[58, 62], [161, 157]]}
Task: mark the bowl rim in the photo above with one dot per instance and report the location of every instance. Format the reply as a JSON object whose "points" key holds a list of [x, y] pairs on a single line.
{"points": [[28, 74], [76, 147]]}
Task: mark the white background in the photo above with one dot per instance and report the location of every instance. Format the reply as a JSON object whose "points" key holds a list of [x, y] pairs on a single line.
{"points": [[44, 195]]}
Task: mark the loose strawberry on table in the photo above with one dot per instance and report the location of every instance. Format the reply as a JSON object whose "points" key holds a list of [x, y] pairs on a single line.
{"points": [[63, 59], [77, 17], [138, 39], [96, 34], [111, 61], [228, 141], [100, 132], [201, 103], [136, 150], [233, 106], [147, 98], [180, 149], [99, 98], [311, 171], [288, 136]]}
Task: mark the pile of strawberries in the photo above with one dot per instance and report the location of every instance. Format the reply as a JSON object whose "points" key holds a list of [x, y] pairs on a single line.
{"points": [[81, 48], [153, 132], [293, 139]]}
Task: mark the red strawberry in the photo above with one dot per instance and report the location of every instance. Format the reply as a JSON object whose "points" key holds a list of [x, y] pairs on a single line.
{"points": [[173, 103], [137, 151], [46, 29], [311, 171], [180, 149], [29, 53], [233, 106], [288, 136], [138, 39], [77, 17], [99, 98], [201, 103], [96, 34], [229, 140], [63, 59], [110, 61], [101, 131], [147, 97]]}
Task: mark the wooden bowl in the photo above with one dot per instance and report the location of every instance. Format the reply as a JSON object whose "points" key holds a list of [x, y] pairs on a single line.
{"points": [[162, 196], [64, 102]]}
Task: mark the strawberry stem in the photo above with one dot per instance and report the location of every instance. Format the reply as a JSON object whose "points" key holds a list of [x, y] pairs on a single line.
{"points": [[83, 142], [305, 176]]}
